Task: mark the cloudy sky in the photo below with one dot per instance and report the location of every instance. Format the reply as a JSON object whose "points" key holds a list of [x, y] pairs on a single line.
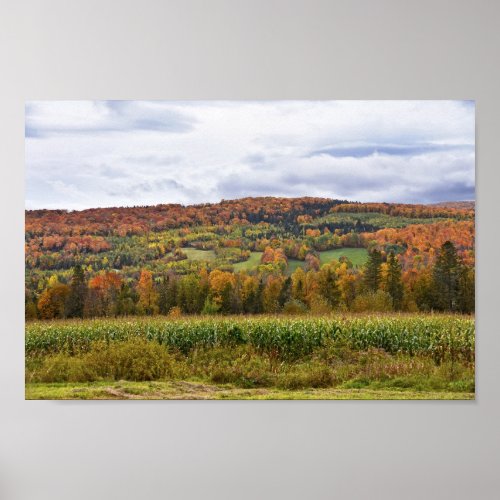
{"points": [[82, 154]]}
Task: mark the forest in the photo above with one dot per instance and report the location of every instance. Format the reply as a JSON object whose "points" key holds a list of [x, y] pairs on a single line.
{"points": [[250, 256]]}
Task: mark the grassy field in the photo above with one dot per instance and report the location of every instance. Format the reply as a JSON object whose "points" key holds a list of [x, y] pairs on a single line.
{"points": [[251, 263], [389, 356], [195, 254], [358, 256]]}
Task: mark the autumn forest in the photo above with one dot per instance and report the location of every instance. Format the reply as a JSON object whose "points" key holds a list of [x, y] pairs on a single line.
{"points": [[250, 256]]}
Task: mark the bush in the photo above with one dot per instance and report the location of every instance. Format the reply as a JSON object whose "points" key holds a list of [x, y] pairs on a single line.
{"points": [[136, 359], [294, 307], [378, 301], [312, 375]]}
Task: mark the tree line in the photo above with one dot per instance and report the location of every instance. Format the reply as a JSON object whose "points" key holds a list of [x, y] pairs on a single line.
{"points": [[381, 285]]}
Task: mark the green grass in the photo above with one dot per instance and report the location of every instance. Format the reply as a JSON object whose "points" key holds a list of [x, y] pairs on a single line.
{"points": [[159, 390], [195, 254], [358, 256], [293, 264], [251, 263]]}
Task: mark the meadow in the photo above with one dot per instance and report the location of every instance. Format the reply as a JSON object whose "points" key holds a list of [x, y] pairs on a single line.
{"points": [[338, 356]]}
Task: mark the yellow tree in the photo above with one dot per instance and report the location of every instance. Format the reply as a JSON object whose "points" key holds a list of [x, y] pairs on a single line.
{"points": [[271, 294], [148, 296]]}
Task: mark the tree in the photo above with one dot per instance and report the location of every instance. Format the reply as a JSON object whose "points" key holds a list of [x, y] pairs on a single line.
{"points": [[327, 285], [52, 302], [221, 286], [393, 282], [311, 262], [271, 294], [466, 289], [286, 292], [148, 296], [446, 277], [78, 293], [126, 301], [102, 294], [373, 271], [299, 284], [167, 294]]}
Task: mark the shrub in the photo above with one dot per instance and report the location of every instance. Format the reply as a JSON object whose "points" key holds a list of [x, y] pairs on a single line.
{"points": [[378, 301], [294, 307]]}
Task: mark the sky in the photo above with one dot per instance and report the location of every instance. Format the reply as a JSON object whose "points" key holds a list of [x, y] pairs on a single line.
{"points": [[83, 154]]}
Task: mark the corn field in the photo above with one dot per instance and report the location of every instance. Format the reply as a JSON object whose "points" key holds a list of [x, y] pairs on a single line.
{"points": [[439, 336]]}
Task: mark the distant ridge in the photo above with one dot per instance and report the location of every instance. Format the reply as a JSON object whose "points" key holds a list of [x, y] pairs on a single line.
{"points": [[467, 205]]}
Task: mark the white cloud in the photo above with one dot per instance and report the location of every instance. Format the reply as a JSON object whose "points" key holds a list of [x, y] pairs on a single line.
{"points": [[81, 154]]}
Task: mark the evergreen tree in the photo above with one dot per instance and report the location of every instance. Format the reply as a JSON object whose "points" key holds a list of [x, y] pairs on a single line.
{"points": [[226, 296], [126, 301], [328, 288], [286, 292], [466, 289], [446, 278], [394, 285], [167, 293], [77, 294], [373, 270]]}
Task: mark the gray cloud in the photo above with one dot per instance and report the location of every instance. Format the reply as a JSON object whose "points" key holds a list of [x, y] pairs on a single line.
{"points": [[388, 149], [112, 116], [116, 153]]}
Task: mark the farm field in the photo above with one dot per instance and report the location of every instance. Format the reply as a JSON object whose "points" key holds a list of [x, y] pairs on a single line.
{"points": [[391, 356]]}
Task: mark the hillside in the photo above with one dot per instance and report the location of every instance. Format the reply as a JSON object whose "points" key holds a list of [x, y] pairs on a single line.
{"points": [[261, 239]]}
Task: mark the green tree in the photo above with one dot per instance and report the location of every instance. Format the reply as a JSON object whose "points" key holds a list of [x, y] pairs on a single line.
{"points": [[167, 293], [77, 294], [466, 289], [126, 301], [446, 277], [394, 285], [327, 284], [373, 271], [286, 292]]}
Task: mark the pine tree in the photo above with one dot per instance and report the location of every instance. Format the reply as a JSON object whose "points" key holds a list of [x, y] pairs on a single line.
{"points": [[286, 292], [394, 285], [328, 288], [167, 293], [445, 278], [466, 289], [373, 271], [78, 293]]}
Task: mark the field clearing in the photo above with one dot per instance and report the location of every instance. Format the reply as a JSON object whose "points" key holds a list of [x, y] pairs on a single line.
{"points": [[358, 256], [251, 263], [195, 254]]}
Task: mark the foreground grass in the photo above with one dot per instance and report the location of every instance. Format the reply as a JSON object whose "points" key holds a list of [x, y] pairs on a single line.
{"points": [[173, 390]]}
